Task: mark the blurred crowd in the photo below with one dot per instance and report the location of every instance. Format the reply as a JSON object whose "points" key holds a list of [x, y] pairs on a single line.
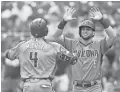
{"points": [[15, 19]]}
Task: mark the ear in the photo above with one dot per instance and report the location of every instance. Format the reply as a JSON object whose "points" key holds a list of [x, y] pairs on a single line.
{"points": [[93, 33]]}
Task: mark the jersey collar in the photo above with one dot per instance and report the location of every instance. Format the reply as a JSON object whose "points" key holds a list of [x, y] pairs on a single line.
{"points": [[85, 43]]}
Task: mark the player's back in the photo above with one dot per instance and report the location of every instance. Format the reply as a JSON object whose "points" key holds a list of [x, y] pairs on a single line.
{"points": [[37, 58]]}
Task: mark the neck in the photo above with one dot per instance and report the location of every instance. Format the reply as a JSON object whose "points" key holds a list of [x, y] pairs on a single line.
{"points": [[38, 39], [85, 42]]}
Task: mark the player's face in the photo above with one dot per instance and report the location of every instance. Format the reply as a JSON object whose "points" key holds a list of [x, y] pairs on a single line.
{"points": [[86, 32]]}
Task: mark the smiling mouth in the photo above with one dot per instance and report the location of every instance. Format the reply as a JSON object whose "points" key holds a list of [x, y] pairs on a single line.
{"points": [[85, 34]]}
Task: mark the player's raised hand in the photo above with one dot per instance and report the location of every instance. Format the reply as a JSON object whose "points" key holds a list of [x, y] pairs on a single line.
{"points": [[68, 14], [95, 13]]}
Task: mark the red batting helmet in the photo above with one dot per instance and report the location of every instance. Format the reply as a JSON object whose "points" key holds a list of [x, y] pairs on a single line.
{"points": [[38, 27], [87, 23]]}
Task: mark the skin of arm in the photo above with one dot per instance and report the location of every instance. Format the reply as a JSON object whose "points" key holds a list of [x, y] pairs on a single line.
{"points": [[67, 17], [110, 35]]}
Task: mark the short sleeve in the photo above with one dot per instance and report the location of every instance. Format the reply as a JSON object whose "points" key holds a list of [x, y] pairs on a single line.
{"points": [[103, 46], [68, 44], [64, 41], [62, 49], [13, 53], [110, 54]]}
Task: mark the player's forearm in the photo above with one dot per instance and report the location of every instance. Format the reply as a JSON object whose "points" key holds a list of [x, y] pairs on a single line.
{"points": [[109, 31], [60, 28]]}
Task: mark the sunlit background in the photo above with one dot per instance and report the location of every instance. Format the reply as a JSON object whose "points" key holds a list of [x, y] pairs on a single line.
{"points": [[16, 16]]}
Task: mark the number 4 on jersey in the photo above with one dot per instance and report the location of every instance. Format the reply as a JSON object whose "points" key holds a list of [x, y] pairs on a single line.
{"points": [[33, 56]]}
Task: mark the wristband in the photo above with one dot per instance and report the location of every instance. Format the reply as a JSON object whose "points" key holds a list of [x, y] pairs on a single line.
{"points": [[62, 24], [104, 23]]}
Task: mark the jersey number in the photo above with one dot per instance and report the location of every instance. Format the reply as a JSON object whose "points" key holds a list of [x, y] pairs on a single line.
{"points": [[33, 56]]}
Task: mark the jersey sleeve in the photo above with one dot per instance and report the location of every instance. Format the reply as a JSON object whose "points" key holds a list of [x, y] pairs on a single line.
{"points": [[103, 46], [14, 52], [66, 43], [63, 49]]}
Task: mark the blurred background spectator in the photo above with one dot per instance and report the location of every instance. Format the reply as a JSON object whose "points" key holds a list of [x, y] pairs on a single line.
{"points": [[16, 16], [11, 76], [111, 67]]}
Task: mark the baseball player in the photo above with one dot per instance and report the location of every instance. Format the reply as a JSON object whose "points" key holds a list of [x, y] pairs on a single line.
{"points": [[86, 73], [37, 58]]}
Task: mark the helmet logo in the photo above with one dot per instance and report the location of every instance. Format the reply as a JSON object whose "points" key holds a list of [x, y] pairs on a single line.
{"points": [[40, 22], [38, 27]]}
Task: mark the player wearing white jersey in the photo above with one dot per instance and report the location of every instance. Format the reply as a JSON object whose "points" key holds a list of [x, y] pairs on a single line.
{"points": [[37, 58]]}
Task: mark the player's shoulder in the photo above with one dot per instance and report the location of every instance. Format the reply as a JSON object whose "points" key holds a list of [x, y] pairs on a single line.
{"points": [[98, 40], [69, 39], [55, 44], [75, 41], [23, 42]]}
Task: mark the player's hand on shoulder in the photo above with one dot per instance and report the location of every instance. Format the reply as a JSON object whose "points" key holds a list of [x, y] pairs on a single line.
{"points": [[66, 56], [69, 14], [74, 59], [95, 14]]}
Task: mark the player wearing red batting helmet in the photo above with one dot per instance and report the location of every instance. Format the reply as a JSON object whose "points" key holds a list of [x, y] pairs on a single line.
{"points": [[90, 25], [37, 58], [86, 73], [39, 27]]}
